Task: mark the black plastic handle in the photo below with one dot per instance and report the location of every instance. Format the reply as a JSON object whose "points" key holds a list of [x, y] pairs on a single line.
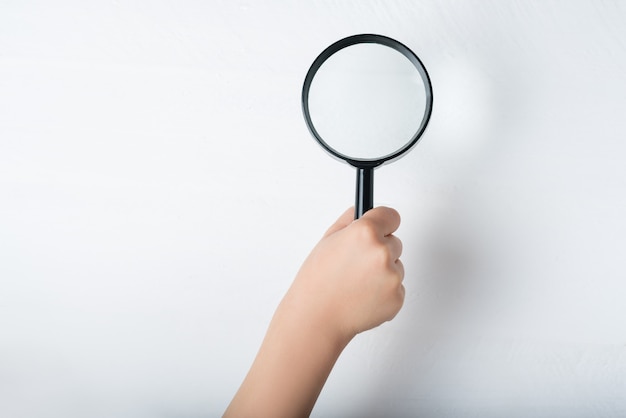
{"points": [[364, 191]]}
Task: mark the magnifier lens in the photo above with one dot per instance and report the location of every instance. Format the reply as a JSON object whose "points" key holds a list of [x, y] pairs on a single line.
{"points": [[367, 101]]}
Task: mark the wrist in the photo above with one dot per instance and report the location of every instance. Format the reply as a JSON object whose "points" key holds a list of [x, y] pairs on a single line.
{"points": [[313, 322]]}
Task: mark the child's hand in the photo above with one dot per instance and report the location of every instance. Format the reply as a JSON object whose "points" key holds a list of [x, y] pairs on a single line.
{"points": [[352, 280]]}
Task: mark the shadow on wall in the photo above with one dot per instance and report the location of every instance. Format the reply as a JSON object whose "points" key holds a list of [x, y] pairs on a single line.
{"points": [[412, 375], [455, 276]]}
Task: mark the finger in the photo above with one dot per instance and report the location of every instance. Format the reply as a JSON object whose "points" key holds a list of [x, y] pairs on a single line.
{"points": [[395, 247], [400, 269], [344, 220], [386, 219]]}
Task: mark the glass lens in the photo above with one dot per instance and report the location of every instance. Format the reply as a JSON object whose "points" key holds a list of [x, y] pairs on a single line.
{"points": [[367, 101]]}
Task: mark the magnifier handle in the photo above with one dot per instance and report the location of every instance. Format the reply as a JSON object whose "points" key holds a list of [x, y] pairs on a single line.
{"points": [[364, 191]]}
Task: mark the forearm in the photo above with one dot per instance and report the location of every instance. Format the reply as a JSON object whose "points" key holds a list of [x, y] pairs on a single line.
{"points": [[293, 363]]}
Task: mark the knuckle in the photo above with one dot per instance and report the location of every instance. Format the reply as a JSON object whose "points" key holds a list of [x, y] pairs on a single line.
{"points": [[400, 247], [391, 214], [398, 291], [367, 230], [380, 256], [399, 275], [400, 270], [384, 255], [393, 283]]}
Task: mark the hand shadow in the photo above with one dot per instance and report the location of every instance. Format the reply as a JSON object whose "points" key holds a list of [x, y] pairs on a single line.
{"points": [[441, 293]]}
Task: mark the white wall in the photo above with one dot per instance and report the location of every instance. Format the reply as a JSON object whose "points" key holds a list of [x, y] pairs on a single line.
{"points": [[159, 190]]}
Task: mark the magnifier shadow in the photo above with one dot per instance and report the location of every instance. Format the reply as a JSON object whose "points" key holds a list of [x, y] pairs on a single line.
{"points": [[449, 274], [449, 285]]}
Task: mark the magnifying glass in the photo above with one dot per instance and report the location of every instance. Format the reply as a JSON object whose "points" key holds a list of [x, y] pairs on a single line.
{"points": [[367, 100]]}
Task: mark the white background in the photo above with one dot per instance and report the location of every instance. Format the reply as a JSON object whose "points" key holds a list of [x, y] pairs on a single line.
{"points": [[159, 190]]}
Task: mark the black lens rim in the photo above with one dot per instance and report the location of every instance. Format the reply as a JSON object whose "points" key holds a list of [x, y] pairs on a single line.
{"points": [[364, 39]]}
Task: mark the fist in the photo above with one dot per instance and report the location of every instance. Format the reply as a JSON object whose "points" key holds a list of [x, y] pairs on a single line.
{"points": [[352, 280]]}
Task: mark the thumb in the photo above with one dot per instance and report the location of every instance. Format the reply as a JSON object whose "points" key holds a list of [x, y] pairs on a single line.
{"points": [[344, 220]]}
